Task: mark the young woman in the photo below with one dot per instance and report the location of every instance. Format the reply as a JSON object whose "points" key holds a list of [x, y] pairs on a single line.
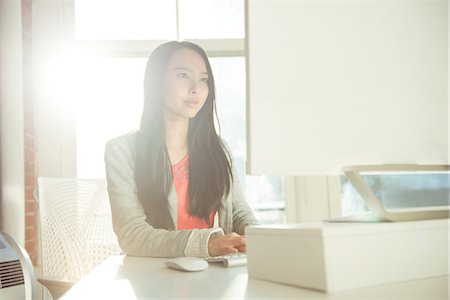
{"points": [[173, 188]]}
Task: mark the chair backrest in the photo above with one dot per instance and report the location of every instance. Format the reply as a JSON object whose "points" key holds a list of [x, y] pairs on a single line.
{"points": [[76, 226]]}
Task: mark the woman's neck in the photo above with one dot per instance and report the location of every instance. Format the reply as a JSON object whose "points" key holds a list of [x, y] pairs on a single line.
{"points": [[176, 138]]}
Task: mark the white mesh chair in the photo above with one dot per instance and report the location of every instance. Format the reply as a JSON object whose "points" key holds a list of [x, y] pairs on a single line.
{"points": [[76, 230]]}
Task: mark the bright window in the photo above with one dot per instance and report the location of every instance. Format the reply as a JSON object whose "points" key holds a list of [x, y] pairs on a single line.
{"points": [[157, 19], [125, 19], [110, 101], [110, 89], [264, 193], [109, 105], [211, 19]]}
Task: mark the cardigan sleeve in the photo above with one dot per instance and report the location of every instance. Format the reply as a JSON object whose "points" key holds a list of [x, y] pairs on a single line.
{"points": [[136, 237]]}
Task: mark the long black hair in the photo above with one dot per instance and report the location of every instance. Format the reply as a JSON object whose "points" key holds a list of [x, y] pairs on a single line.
{"points": [[210, 170]]}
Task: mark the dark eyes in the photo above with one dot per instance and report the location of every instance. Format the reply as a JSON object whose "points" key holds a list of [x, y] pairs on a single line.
{"points": [[185, 75]]}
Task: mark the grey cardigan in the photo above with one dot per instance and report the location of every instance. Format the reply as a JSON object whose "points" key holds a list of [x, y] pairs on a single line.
{"points": [[138, 238]]}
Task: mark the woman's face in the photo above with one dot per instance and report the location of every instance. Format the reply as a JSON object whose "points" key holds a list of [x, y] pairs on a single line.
{"points": [[185, 84]]}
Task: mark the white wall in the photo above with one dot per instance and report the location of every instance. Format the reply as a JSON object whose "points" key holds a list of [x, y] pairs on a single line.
{"points": [[12, 131]]}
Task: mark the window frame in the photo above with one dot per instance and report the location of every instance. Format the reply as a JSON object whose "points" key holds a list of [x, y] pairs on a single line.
{"points": [[54, 25], [213, 48]]}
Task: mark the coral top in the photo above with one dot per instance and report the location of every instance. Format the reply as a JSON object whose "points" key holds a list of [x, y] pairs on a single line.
{"points": [[185, 220]]}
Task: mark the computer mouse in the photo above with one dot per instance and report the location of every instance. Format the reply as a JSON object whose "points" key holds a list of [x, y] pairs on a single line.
{"points": [[188, 264]]}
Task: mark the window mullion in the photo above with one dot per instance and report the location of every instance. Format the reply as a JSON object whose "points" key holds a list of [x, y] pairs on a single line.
{"points": [[177, 18], [143, 48]]}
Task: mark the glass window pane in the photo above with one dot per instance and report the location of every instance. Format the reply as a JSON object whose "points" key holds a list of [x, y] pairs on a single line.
{"points": [[211, 19], [265, 194], [109, 104], [125, 19]]}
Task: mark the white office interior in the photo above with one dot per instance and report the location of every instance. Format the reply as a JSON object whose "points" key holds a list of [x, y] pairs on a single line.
{"points": [[327, 85]]}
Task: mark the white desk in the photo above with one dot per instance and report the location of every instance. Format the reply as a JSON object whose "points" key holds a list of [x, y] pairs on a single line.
{"points": [[124, 277]]}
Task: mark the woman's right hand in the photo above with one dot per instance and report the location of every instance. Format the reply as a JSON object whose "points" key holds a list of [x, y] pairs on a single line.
{"points": [[226, 244]]}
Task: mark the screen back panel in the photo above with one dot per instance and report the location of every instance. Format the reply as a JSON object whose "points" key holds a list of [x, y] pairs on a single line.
{"points": [[335, 83]]}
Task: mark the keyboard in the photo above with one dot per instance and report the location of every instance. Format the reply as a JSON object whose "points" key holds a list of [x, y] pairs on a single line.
{"points": [[231, 260]]}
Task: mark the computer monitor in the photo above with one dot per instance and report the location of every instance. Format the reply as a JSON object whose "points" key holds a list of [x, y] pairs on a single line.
{"points": [[339, 83]]}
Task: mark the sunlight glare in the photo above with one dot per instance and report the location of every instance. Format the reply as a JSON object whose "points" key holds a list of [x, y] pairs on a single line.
{"points": [[64, 74]]}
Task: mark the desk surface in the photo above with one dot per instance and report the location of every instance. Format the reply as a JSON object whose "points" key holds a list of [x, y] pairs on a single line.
{"points": [[124, 277]]}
